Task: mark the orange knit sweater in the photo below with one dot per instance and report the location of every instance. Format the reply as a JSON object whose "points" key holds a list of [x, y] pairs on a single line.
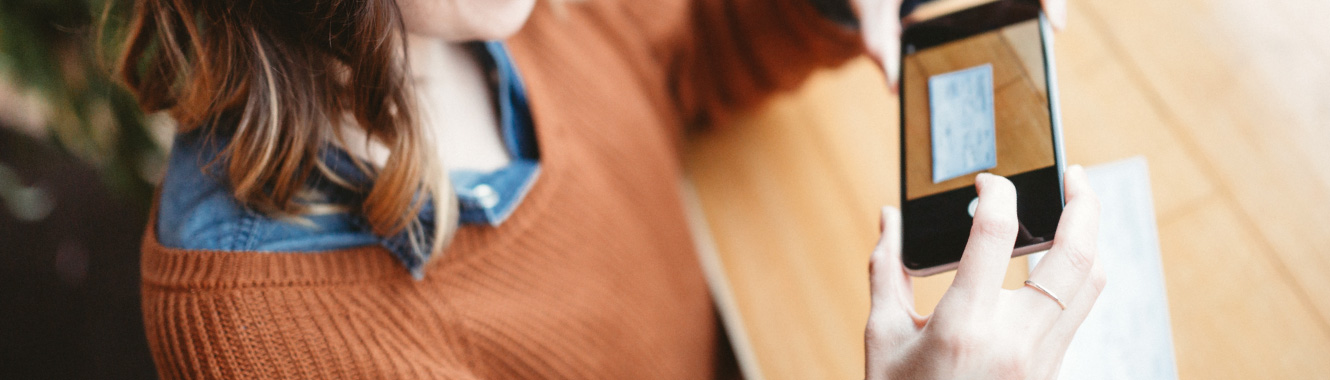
{"points": [[593, 276]]}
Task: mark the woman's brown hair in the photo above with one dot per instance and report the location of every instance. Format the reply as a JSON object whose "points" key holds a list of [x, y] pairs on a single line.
{"points": [[284, 79]]}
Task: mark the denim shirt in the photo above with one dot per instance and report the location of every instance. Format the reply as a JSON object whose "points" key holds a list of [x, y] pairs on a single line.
{"points": [[196, 209]]}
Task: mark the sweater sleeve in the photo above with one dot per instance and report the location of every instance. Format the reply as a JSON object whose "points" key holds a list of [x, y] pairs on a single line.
{"points": [[292, 332], [736, 53]]}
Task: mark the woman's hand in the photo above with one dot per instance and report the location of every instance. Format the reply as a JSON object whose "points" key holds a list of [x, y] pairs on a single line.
{"points": [[880, 23], [979, 330]]}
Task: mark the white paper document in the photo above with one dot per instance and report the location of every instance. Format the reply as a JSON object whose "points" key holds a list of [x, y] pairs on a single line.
{"points": [[961, 110]]}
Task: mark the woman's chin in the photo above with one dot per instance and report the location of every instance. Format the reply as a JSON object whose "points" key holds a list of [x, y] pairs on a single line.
{"points": [[493, 32], [501, 19], [461, 20]]}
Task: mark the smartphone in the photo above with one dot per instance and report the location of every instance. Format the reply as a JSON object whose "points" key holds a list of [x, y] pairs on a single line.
{"points": [[978, 93]]}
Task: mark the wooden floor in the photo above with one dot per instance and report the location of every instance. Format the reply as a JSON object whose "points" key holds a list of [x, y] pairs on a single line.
{"points": [[1228, 99]]}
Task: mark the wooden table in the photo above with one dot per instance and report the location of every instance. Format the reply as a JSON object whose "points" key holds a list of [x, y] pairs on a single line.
{"points": [[1228, 99]]}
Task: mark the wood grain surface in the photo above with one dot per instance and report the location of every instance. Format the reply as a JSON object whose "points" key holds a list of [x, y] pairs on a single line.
{"points": [[1228, 99]]}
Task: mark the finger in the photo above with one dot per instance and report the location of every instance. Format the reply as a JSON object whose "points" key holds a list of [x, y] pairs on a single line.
{"points": [[992, 238], [892, 55], [1071, 320], [1058, 338], [1068, 263], [881, 28], [892, 296], [1057, 13]]}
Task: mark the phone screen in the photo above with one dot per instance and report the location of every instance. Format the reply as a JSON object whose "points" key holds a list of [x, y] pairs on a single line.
{"points": [[975, 98]]}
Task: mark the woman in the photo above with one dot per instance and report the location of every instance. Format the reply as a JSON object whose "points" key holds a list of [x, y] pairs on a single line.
{"points": [[361, 190]]}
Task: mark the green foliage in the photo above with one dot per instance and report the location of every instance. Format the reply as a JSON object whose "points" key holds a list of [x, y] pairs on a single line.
{"points": [[53, 47]]}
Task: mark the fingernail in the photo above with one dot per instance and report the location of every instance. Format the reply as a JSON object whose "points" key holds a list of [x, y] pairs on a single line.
{"points": [[1057, 15], [1076, 170], [1062, 18]]}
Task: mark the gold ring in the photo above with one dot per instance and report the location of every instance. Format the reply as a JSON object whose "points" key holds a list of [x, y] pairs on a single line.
{"points": [[1047, 293]]}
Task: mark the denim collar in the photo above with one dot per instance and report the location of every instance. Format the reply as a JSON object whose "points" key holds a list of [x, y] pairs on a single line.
{"points": [[484, 198], [198, 210]]}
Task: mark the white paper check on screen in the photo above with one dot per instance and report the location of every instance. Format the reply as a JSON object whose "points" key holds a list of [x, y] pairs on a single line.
{"points": [[961, 110]]}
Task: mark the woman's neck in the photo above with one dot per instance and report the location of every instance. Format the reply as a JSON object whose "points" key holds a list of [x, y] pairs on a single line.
{"points": [[457, 104]]}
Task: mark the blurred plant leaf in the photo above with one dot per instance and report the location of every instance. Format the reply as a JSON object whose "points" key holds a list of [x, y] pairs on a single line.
{"points": [[51, 47]]}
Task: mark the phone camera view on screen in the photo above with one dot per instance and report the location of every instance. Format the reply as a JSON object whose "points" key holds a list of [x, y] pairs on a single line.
{"points": [[975, 98]]}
